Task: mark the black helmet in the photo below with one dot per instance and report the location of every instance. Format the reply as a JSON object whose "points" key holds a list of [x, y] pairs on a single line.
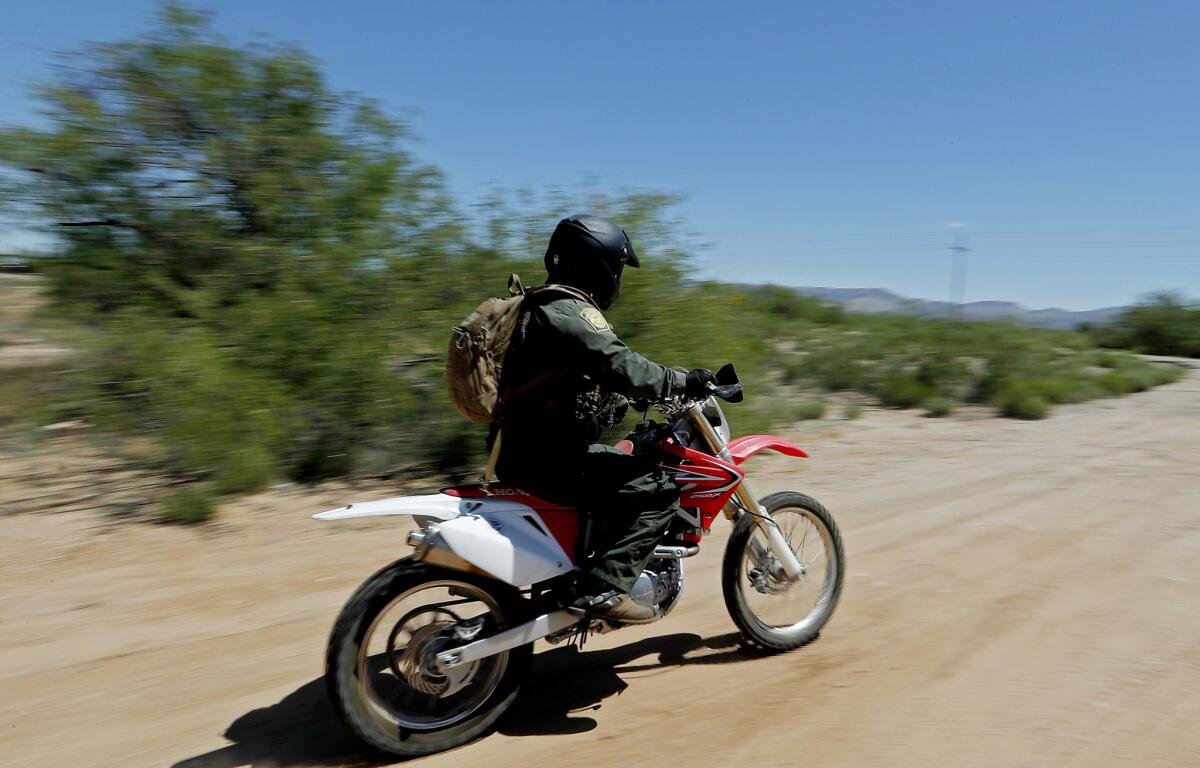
{"points": [[589, 253]]}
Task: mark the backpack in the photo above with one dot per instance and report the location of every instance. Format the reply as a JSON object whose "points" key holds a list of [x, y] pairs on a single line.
{"points": [[479, 344]]}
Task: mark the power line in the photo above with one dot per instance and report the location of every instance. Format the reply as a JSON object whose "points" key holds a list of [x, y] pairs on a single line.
{"points": [[942, 234], [1045, 244], [1046, 251]]}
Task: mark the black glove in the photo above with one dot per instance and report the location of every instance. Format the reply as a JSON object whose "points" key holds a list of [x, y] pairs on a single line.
{"points": [[698, 383]]}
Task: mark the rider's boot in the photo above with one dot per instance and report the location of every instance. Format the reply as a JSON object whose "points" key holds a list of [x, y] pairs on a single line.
{"points": [[600, 601], [614, 606]]}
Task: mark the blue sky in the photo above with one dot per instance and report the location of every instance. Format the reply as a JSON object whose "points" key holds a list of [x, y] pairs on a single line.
{"points": [[839, 144]]}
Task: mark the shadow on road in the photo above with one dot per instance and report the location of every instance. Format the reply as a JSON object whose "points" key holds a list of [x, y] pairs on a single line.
{"points": [[301, 730]]}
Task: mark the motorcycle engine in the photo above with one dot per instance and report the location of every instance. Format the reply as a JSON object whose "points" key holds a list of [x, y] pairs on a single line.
{"points": [[659, 585]]}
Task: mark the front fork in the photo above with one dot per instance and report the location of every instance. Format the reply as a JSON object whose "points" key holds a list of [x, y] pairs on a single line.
{"points": [[762, 518], [743, 501]]}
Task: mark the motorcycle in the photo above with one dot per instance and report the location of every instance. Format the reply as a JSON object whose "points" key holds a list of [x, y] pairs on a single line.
{"points": [[430, 651]]}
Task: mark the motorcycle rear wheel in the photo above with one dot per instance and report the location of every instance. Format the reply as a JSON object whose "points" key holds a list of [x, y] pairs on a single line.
{"points": [[759, 597], [389, 694]]}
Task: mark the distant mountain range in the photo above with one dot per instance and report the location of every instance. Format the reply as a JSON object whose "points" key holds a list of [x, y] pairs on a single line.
{"points": [[878, 301]]}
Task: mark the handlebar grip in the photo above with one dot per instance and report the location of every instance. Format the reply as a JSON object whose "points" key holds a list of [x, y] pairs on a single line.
{"points": [[730, 392]]}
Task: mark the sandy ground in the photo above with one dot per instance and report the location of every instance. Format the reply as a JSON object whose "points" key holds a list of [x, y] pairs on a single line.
{"points": [[1018, 594]]}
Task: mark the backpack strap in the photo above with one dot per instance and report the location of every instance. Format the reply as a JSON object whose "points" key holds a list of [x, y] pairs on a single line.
{"points": [[559, 288], [516, 288], [490, 474]]}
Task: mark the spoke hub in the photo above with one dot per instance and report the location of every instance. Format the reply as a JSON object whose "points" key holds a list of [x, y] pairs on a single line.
{"points": [[417, 662]]}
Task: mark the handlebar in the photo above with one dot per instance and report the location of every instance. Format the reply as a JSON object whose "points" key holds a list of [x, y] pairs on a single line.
{"points": [[726, 386], [729, 392]]}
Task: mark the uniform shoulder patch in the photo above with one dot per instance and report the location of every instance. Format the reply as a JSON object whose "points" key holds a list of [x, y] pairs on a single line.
{"points": [[592, 317]]}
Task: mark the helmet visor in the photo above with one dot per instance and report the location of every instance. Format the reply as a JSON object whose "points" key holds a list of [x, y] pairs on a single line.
{"points": [[628, 255]]}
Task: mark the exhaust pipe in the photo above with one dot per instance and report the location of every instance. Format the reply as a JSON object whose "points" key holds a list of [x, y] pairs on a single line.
{"points": [[431, 549]]}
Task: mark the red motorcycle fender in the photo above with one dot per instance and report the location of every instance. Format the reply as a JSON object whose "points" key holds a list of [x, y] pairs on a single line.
{"points": [[744, 447]]}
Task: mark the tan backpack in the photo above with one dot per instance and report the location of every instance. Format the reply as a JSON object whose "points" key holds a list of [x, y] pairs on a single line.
{"points": [[478, 345]]}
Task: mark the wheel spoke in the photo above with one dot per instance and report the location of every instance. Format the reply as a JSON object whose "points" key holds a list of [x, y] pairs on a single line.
{"points": [[416, 625], [791, 532], [803, 541], [776, 604]]}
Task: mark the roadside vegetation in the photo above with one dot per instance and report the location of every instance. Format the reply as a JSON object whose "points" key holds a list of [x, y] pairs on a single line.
{"points": [[258, 275], [1163, 324], [939, 364]]}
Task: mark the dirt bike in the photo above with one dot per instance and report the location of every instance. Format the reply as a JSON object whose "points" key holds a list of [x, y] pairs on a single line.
{"points": [[430, 651]]}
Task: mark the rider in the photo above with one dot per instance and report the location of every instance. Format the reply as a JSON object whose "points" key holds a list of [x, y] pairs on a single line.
{"points": [[561, 374]]}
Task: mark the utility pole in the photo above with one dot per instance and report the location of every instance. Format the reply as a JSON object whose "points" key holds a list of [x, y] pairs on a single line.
{"points": [[958, 274]]}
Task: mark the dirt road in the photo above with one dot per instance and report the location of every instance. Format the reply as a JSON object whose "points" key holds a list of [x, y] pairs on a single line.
{"points": [[1018, 594]]}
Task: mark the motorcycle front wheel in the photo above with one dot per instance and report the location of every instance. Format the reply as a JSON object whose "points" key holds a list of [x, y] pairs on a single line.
{"points": [[772, 611], [380, 668]]}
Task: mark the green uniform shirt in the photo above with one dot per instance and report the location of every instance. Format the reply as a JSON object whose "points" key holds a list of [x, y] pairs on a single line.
{"points": [[564, 349]]}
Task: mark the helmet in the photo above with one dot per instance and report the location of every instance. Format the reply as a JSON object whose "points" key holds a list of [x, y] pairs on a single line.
{"points": [[589, 253]]}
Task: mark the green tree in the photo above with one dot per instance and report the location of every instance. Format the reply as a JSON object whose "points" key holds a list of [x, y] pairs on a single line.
{"points": [[184, 174], [272, 273], [243, 233]]}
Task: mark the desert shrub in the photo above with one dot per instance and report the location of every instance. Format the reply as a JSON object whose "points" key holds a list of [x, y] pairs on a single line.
{"points": [[1116, 383], [942, 373], [762, 412], [1166, 374], [835, 368], [851, 411], [938, 406], [218, 422], [25, 390], [903, 391], [1021, 400], [810, 409], [1162, 324], [748, 419], [787, 306], [188, 506], [1067, 389], [791, 370]]}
